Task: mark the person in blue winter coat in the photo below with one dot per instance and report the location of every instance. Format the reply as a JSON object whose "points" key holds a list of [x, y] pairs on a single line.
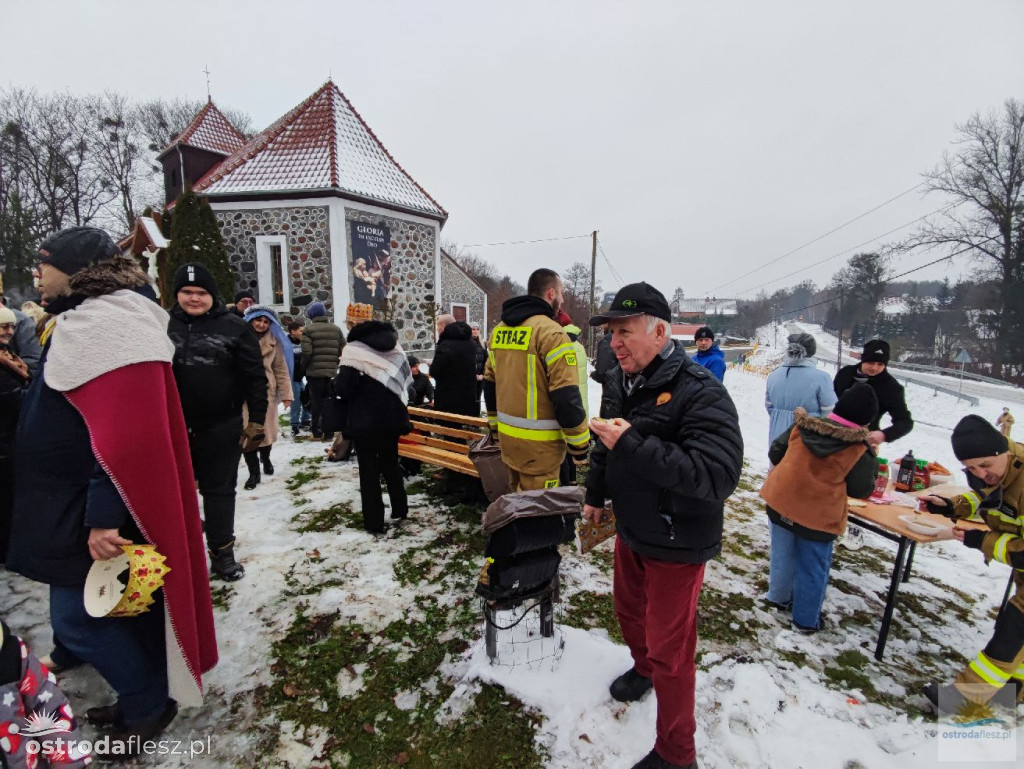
{"points": [[797, 383], [708, 354]]}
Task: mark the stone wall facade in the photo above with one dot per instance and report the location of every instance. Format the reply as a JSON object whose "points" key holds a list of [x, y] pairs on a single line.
{"points": [[457, 287], [412, 297], [307, 231]]}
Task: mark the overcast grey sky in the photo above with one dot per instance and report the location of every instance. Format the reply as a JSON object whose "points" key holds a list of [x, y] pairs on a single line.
{"points": [[702, 139]]}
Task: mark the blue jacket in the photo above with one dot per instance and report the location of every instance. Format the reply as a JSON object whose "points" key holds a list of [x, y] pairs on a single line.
{"points": [[797, 382], [713, 360]]}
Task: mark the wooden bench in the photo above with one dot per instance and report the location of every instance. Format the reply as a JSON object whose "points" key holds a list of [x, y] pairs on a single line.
{"points": [[431, 442]]}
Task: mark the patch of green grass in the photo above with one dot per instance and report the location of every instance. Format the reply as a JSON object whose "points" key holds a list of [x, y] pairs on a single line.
{"points": [[719, 622], [301, 477], [847, 671], [587, 610], [221, 595], [368, 728], [337, 516]]}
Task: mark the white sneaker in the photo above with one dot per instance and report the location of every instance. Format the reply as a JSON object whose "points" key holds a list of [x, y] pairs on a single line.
{"points": [[853, 539]]}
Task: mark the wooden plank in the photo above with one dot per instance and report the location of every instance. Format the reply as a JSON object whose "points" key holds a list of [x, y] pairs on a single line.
{"points": [[437, 443], [438, 457], [451, 432], [447, 416]]}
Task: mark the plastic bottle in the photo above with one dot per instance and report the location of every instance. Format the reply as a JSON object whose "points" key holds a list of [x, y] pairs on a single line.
{"points": [[905, 474], [922, 478], [881, 478]]}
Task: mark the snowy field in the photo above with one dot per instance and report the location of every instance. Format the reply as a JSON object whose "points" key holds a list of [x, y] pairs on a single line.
{"points": [[766, 696]]}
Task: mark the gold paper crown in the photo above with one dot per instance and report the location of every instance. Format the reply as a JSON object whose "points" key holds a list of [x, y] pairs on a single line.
{"points": [[359, 312], [106, 596]]}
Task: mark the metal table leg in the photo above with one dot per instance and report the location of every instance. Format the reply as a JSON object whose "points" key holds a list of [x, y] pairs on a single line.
{"points": [[890, 604], [910, 561]]}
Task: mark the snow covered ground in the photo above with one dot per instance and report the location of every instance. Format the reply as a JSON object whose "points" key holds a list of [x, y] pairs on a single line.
{"points": [[766, 696]]}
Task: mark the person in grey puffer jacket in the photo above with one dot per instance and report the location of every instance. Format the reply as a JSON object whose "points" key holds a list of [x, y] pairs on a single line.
{"points": [[797, 383], [322, 342]]}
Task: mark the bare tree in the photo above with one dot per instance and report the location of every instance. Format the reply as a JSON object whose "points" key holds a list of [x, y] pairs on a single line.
{"points": [[984, 178]]}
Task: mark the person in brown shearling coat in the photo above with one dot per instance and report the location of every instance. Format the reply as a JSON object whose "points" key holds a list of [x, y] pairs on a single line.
{"points": [[819, 463]]}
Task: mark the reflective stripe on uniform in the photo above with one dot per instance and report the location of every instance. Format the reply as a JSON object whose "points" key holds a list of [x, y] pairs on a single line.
{"points": [[578, 440], [529, 435], [999, 551], [988, 671], [1019, 673], [558, 352], [1007, 519], [529, 424], [973, 500], [491, 356], [531, 386]]}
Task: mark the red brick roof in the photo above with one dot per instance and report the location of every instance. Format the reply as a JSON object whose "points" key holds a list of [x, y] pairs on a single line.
{"points": [[211, 131], [322, 144]]}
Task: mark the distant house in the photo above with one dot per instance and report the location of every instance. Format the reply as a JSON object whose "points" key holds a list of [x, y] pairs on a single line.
{"points": [[462, 296], [314, 208], [691, 308]]}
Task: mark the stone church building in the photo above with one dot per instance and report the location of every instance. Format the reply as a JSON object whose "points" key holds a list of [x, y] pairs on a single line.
{"points": [[314, 208]]}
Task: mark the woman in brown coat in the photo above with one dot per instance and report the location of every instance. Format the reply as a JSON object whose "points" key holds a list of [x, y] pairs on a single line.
{"points": [[818, 464], [277, 362]]}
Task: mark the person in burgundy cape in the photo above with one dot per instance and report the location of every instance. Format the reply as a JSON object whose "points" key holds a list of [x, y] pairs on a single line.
{"points": [[103, 461]]}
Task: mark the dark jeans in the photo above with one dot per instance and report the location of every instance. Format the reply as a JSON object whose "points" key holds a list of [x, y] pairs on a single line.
{"points": [[376, 457], [215, 454], [128, 652], [319, 391], [6, 503]]}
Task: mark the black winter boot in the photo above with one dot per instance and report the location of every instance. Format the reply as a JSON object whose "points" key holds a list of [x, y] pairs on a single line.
{"points": [[630, 686], [223, 564], [252, 461], [268, 469]]}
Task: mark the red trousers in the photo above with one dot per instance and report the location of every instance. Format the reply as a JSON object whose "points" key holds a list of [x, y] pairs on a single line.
{"points": [[656, 602]]}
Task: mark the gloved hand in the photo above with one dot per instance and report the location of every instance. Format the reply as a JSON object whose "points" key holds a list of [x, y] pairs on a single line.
{"points": [[973, 538], [580, 460], [252, 437], [939, 505]]}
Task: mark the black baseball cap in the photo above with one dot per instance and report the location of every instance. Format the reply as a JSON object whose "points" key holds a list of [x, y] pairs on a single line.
{"points": [[635, 299]]}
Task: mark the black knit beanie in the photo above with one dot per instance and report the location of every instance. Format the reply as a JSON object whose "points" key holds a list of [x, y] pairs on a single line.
{"points": [[244, 294], [704, 332], [194, 274], [974, 437], [875, 351], [859, 404], [76, 248]]}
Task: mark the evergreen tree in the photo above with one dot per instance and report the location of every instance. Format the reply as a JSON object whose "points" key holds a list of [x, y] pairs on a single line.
{"points": [[195, 237], [16, 244]]}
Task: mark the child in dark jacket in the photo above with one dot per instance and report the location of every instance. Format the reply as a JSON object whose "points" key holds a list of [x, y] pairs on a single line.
{"points": [[819, 463]]}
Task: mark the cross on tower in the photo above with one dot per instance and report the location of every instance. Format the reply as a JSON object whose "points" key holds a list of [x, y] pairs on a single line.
{"points": [[207, 71]]}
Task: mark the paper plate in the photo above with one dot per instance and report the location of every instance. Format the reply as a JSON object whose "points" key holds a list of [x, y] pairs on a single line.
{"points": [[915, 524], [123, 586]]}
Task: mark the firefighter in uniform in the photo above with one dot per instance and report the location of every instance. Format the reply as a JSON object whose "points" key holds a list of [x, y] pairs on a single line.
{"points": [[995, 473], [531, 387]]}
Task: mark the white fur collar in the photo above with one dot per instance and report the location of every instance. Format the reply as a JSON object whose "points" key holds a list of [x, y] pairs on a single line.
{"points": [[105, 333]]}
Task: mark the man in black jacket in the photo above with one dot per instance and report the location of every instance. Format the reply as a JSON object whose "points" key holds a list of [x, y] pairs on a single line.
{"points": [[669, 454], [605, 359], [218, 367], [892, 399], [481, 362], [454, 368]]}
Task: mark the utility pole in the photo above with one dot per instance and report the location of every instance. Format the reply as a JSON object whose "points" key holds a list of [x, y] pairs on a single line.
{"points": [[775, 323], [593, 283], [839, 354]]}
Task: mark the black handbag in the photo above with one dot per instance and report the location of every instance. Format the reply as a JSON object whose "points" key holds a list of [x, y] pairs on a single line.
{"points": [[518, 575], [525, 534]]}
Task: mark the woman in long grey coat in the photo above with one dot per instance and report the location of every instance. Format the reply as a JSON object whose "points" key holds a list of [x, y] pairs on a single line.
{"points": [[277, 362]]}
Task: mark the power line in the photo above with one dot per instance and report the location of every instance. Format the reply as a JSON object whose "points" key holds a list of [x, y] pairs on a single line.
{"points": [[848, 250], [615, 273], [891, 278], [820, 237], [521, 242]]}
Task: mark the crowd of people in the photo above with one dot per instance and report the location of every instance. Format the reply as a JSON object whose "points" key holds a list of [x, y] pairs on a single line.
{"points": [[106, 371]]}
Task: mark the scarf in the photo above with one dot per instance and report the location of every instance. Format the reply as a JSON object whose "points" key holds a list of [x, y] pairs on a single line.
{"points": [[390, 368]]}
